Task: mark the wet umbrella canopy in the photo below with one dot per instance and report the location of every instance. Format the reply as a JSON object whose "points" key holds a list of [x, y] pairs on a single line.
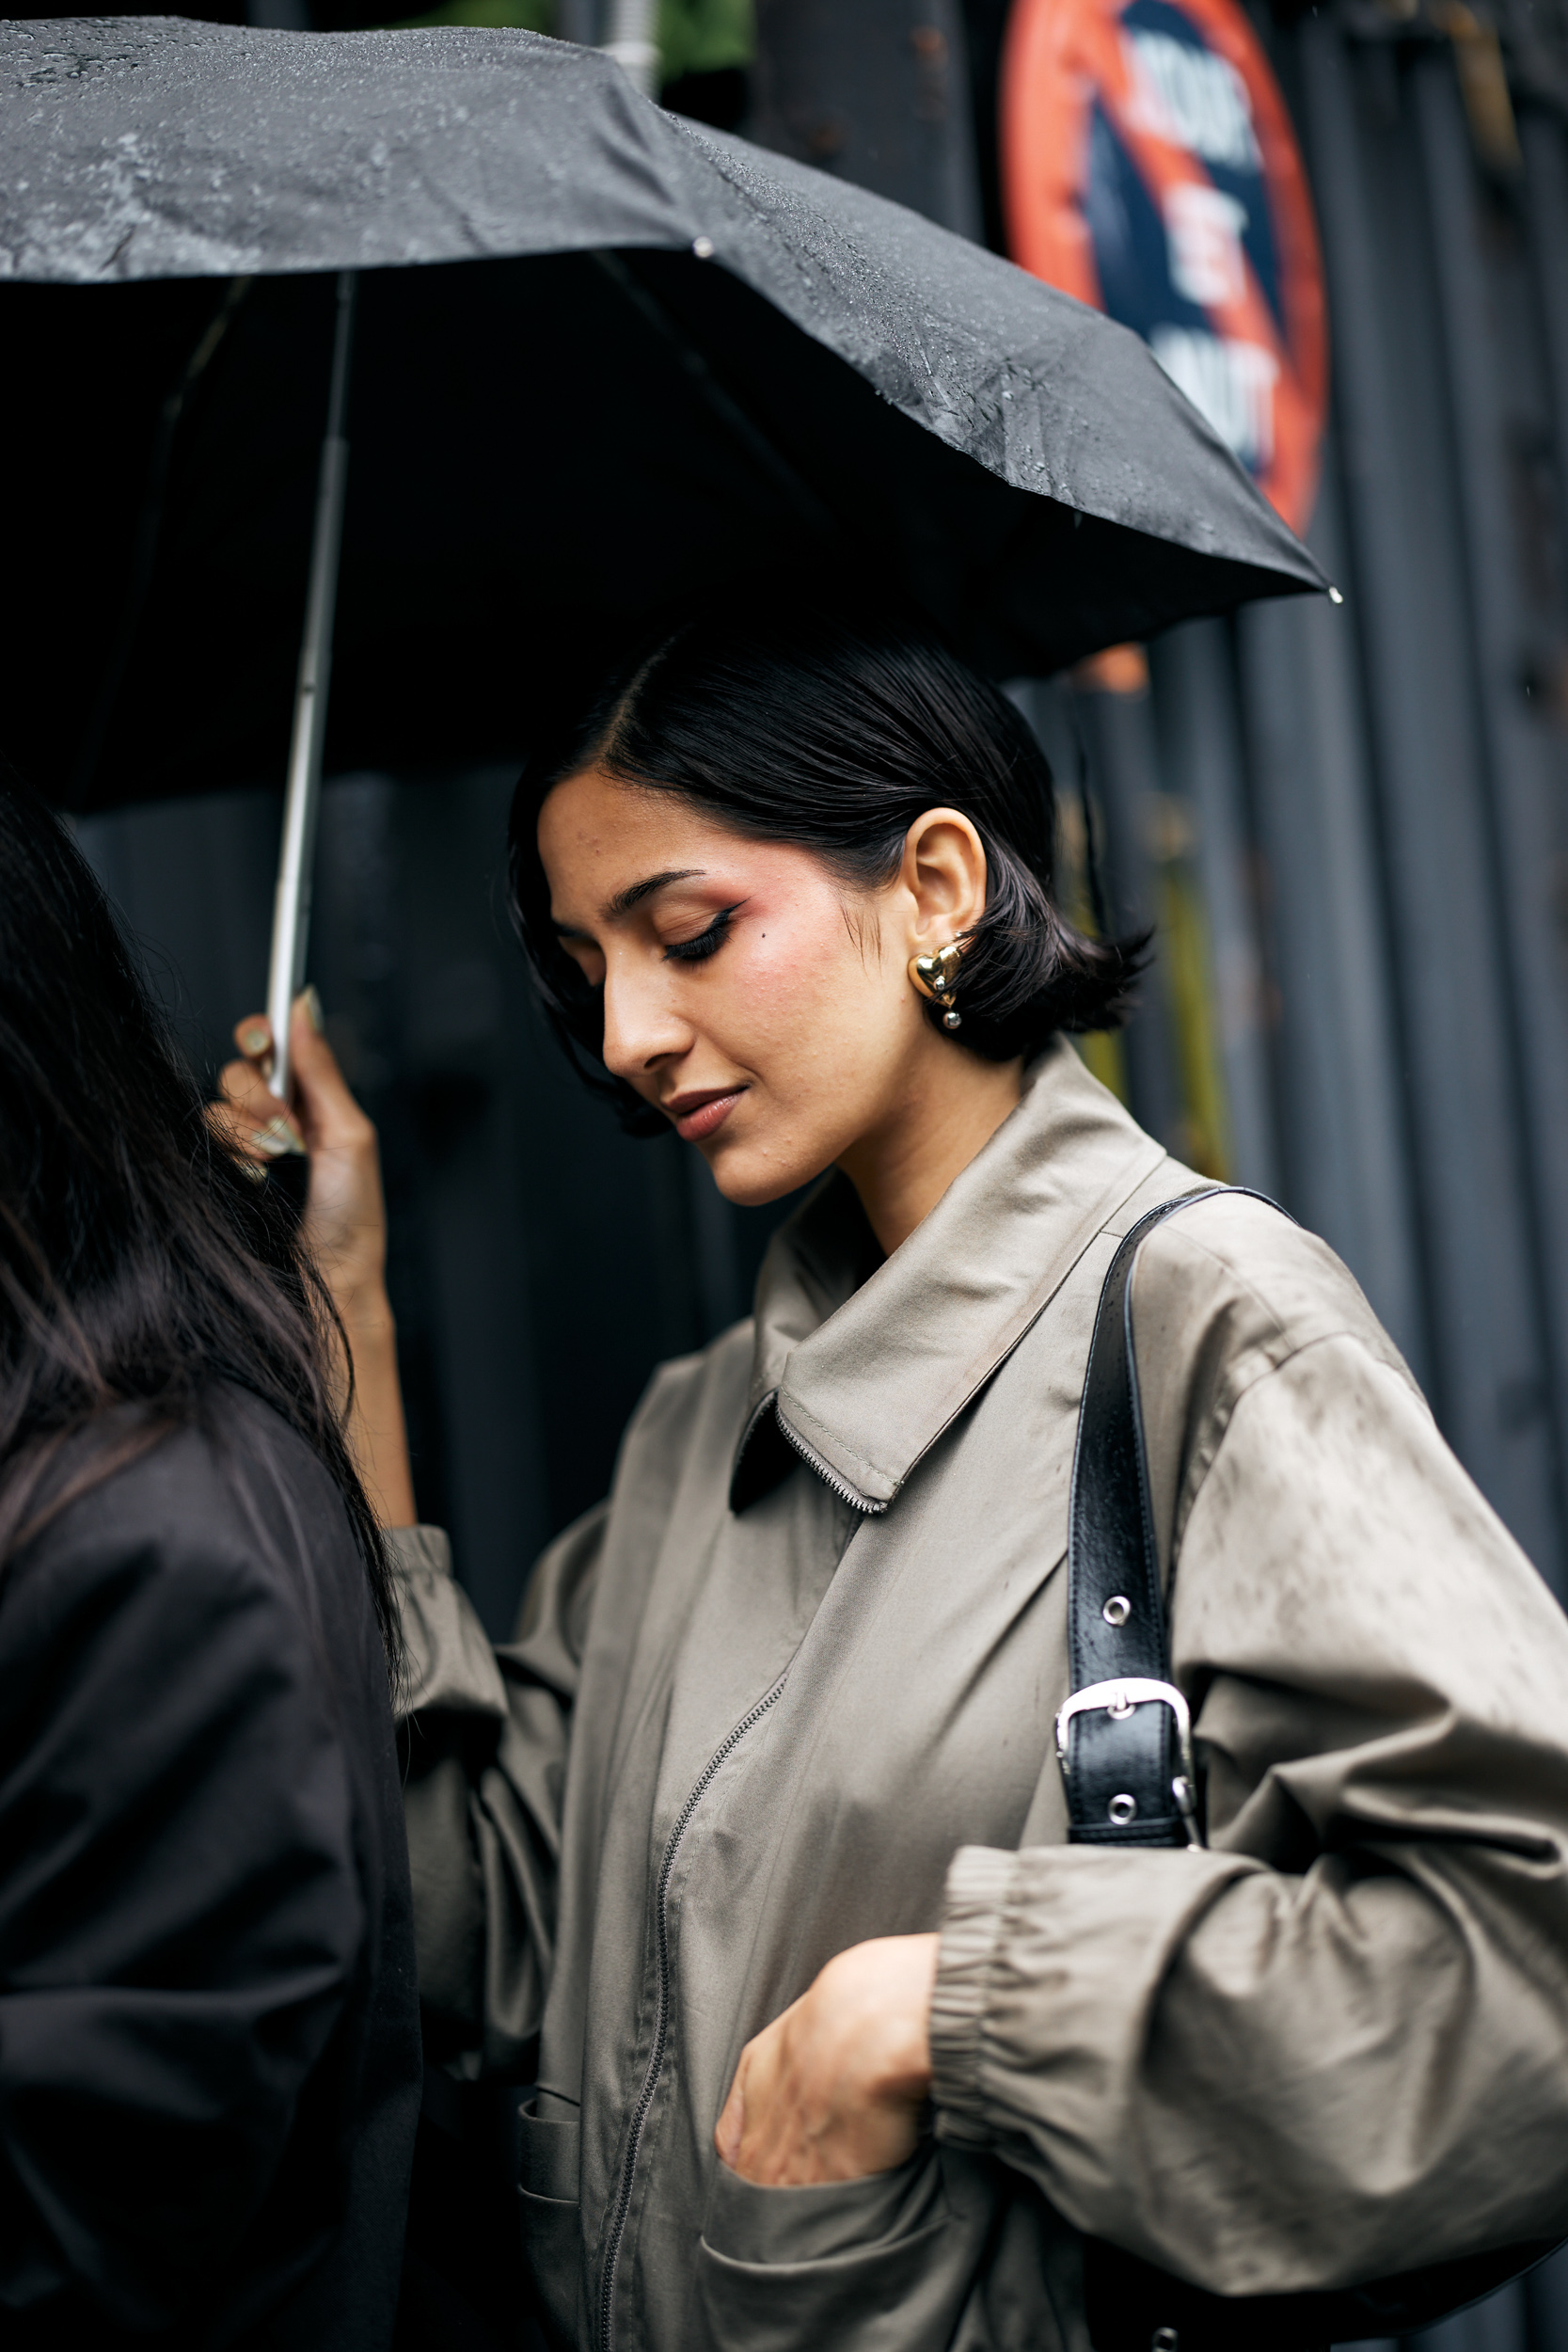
{"points": [[770, 367]]}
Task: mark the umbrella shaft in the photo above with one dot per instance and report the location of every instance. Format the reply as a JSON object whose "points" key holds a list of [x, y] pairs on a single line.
{"points": [[632, 42], [291, 927]]}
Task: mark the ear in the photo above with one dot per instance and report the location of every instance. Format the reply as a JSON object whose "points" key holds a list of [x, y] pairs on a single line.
{"points": [[943, 871]]}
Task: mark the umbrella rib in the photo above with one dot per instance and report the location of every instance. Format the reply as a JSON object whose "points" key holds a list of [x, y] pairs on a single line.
{"points": [[149, 530], [720, 401]]}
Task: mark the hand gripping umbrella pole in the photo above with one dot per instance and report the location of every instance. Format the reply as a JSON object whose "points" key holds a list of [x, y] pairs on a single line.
{"points": [[290, 922]]}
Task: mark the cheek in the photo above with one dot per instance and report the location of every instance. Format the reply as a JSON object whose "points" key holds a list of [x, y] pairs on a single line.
{"points": [[801, 985]]}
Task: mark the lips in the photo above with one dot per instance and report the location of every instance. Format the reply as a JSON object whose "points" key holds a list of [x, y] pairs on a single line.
{"points": [[699, 1116]]}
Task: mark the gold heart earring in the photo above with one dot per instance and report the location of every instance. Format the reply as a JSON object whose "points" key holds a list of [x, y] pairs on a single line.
{"points": [[937, 977]]}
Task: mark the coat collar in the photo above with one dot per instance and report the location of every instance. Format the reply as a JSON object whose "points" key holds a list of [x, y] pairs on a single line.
{"points": [[865, 1363]]}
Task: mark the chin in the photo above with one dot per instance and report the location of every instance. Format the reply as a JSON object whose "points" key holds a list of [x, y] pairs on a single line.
{"points": [[752, 1178]]}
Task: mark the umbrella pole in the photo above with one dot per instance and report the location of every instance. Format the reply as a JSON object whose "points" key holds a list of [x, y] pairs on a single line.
{"points": [[290, 922], [632, 43]]}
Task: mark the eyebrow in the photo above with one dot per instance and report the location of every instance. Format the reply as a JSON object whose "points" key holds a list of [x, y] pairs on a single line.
{"points": [[636, 891]]}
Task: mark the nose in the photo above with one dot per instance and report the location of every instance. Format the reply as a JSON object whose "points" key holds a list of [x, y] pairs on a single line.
{"points": [[642, 1027]]}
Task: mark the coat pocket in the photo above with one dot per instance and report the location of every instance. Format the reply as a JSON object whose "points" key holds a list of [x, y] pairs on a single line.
{"points": [[552, 2221], [872, 2265]]}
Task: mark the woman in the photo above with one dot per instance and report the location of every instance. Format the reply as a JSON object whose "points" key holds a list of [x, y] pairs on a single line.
{"points": [[209, 2035], [757, 1825]]}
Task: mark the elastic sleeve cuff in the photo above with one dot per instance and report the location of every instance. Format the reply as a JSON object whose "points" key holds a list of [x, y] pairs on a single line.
{"points": [[975, 1910], [450, 1664]]}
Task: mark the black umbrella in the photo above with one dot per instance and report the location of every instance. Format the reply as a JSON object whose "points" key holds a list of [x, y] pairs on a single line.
{"points": [[655, 361]]}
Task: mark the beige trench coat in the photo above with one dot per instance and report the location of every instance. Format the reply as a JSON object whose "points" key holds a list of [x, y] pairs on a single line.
{"points": [[795, 1685]]}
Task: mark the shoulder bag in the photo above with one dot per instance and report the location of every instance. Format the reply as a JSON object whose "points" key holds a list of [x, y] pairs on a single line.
{"points": [[1124, 1742]]}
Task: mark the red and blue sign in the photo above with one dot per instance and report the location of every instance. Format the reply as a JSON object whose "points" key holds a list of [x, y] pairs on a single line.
{"points": [[1148, 167]]}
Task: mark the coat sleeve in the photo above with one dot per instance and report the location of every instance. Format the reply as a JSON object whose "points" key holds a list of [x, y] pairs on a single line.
{"points": [[1334, 2046], [181, 1913], [485, 1737]]}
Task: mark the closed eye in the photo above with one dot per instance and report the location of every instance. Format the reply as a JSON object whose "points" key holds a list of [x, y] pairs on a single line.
{"points": [[705, 944]]}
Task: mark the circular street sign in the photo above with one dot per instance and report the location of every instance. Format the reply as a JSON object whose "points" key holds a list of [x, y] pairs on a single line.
{"points": [[1149, 167]]}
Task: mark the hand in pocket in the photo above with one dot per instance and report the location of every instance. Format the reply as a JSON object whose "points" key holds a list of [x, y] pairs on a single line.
{"points": [[831, 2090]]}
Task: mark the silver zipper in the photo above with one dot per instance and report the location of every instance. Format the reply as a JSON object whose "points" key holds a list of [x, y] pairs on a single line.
{"points": [[829, 1476], [661, 2019], [825, 1470]]}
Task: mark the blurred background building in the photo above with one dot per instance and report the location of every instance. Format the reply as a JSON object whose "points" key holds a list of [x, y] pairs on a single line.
{"points": [[1348, 823]]}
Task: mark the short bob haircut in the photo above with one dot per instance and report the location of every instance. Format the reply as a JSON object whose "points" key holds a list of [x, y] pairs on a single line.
{"points": [[832, 727]]}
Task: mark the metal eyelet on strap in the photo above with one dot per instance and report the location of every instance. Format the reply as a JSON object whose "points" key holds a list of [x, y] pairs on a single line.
{"points": [[1164, 2339], [1116, 1610], [1121, 1810]]}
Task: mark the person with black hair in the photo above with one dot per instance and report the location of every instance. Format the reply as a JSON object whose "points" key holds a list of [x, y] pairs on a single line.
{"points": [[853, 2029], [209, 2036]]}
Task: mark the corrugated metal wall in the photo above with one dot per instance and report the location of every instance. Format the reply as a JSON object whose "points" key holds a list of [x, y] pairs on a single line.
{"points": [[1378, 791]]}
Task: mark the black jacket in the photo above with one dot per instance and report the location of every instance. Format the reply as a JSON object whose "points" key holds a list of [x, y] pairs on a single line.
{"points": [[209, 2031]]}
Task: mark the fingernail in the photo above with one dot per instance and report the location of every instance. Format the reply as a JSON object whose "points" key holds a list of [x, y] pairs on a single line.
{"points": [[312, 1004], [256, 1039], [278, 1139]]}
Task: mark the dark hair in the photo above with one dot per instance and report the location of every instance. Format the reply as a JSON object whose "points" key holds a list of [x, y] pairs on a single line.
{"points": [[832, 726], [141, 1263]]}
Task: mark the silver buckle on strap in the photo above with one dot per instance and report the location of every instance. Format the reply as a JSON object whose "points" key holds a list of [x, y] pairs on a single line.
{"points": [[1118, 1699]]}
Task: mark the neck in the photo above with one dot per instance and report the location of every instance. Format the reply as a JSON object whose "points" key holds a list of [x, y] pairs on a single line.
{"points": [[902, 1167]]}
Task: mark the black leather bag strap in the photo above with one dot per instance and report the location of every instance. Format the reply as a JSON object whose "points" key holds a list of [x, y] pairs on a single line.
{"points": [[1123, 1740]]}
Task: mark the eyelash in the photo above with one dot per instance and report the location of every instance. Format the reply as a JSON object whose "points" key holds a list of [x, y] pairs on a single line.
{"points": [[705, 944]]}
